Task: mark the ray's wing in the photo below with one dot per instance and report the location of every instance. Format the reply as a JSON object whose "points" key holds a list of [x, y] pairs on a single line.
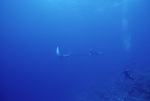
{"points": [[57, 51]]}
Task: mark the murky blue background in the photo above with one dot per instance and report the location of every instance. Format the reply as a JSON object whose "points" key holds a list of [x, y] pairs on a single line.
{"points": [[30, 31]]}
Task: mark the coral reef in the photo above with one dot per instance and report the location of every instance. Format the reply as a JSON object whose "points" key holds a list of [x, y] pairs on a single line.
{"points": [[120, 88]]}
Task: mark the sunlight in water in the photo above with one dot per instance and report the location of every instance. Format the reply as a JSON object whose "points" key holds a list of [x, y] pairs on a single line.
{"points": [[125, 32]]}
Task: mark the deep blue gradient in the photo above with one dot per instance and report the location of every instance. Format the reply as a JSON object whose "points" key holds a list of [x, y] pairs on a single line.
{"points": [[30, 31]]}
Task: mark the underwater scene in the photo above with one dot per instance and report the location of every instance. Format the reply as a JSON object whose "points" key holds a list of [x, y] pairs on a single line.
{"points": [[74, 50]]}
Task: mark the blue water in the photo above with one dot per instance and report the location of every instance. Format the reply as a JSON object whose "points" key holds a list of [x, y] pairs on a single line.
{"points": [[31, 30]]}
